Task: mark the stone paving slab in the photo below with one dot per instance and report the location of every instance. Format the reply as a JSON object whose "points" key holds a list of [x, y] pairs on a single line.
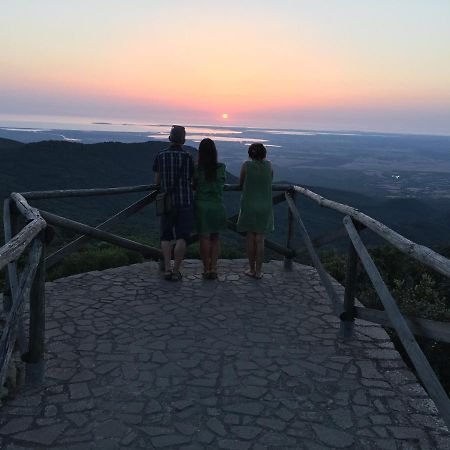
{"points": [[135, 362]]}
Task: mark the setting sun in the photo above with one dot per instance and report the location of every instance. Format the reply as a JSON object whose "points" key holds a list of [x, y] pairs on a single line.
{"points": [[224, 116]]}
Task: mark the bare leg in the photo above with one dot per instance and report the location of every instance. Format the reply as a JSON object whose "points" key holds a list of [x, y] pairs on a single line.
{"points": [[205, 252], [251, 253], [166, 247], [179, 252], [214, 252], [259, 253]]}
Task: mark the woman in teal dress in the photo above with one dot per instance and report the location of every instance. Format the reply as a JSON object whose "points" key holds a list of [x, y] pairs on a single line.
{"points": [[256, 213], [210, 214]]}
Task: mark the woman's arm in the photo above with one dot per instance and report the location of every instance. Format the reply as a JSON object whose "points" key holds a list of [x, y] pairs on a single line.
{"points": [[242, 174]]}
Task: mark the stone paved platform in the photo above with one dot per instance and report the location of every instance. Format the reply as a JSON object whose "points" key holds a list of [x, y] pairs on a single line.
{"points": [[135, 362]]}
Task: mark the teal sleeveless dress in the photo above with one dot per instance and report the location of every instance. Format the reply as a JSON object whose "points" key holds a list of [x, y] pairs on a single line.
{"points": [[256, 213], [210, 214]]}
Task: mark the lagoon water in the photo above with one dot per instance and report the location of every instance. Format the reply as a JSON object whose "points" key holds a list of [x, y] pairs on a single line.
{"points": [[369, 162], [91, 131]]}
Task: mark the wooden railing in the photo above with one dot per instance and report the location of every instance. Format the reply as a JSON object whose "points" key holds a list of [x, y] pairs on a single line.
{"points": [[354, 222], [32, 237], [23, 287]]}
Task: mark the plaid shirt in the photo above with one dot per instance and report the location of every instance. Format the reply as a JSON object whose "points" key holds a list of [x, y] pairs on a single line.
{"points": [[168, 164]]}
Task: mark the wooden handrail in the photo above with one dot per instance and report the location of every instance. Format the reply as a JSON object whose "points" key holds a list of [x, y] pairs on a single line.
{"points": [[24, 208], [12, 250], [275, 187], [74, 245], [419, 252], [23, 292], [36, 223], [281, 249], [35, 195], [78, 227], [10, 226], [415, 353], [61, 193], [325, 278]]}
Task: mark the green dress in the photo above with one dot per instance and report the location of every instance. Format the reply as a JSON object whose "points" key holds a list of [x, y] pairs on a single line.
{"points": [[210, 214], [256, 214]]}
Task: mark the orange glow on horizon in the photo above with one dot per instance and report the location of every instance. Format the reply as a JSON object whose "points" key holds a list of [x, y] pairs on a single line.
{"points": [[271, 61]]}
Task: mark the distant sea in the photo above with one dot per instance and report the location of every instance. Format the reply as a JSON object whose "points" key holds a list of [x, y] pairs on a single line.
{"points": [[90, 131], [371, 162]]}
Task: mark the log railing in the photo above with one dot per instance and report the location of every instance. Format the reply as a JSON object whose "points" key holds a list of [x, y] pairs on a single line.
{"points": [[23, 287], [354, 222], [32, 237]]}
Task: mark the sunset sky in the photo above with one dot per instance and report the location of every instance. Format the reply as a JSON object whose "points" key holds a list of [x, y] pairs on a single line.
{"points": [[326, 64]]}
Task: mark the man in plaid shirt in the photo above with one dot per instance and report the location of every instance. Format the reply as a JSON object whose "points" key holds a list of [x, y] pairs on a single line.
{"points": [[174, 170]]}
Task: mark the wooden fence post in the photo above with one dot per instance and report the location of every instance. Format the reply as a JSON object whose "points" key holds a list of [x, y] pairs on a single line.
{"points": [[423, 368], [351, 274], [11, 226], [290, 231], [7, 294], [7, 226], [348, 316], [35, 357]]}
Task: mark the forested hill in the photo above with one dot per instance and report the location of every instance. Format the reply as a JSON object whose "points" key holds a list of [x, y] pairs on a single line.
{"points": [[49, 165]]}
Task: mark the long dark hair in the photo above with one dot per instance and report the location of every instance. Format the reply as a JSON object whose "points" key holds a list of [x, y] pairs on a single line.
{"points": [[207, 159], [257, 151]]}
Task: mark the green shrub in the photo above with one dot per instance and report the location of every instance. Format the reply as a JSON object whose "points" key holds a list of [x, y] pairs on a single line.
{"points": [[422, 298]]}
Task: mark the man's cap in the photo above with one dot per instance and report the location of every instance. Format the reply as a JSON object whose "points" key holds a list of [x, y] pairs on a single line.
{"points": [[177, 134]]}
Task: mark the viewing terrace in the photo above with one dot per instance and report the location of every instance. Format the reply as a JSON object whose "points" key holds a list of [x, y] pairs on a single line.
{"points": [[123, 359]]}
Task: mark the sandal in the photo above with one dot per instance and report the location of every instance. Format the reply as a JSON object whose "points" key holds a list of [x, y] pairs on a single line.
{"points": [[176, 276], [249, 273], [258, 276], [168, 275], [212, 275]]}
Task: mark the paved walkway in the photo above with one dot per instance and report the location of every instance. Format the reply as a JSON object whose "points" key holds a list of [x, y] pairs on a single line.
{"points": [[135, 362]]}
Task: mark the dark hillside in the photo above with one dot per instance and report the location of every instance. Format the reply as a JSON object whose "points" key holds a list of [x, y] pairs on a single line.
{"points": [[49, 165], [423, 221], [62, 165], [9, 144]]}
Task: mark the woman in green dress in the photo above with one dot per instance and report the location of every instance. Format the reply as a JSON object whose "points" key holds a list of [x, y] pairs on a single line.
{"points": [[210, 214], [256, 213]]}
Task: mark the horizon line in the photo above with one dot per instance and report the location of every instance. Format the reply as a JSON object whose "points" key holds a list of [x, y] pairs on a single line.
{"points": [[234, 126]]}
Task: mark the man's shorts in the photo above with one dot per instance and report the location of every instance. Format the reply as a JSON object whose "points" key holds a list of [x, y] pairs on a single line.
{"points": [[177, 225]]}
